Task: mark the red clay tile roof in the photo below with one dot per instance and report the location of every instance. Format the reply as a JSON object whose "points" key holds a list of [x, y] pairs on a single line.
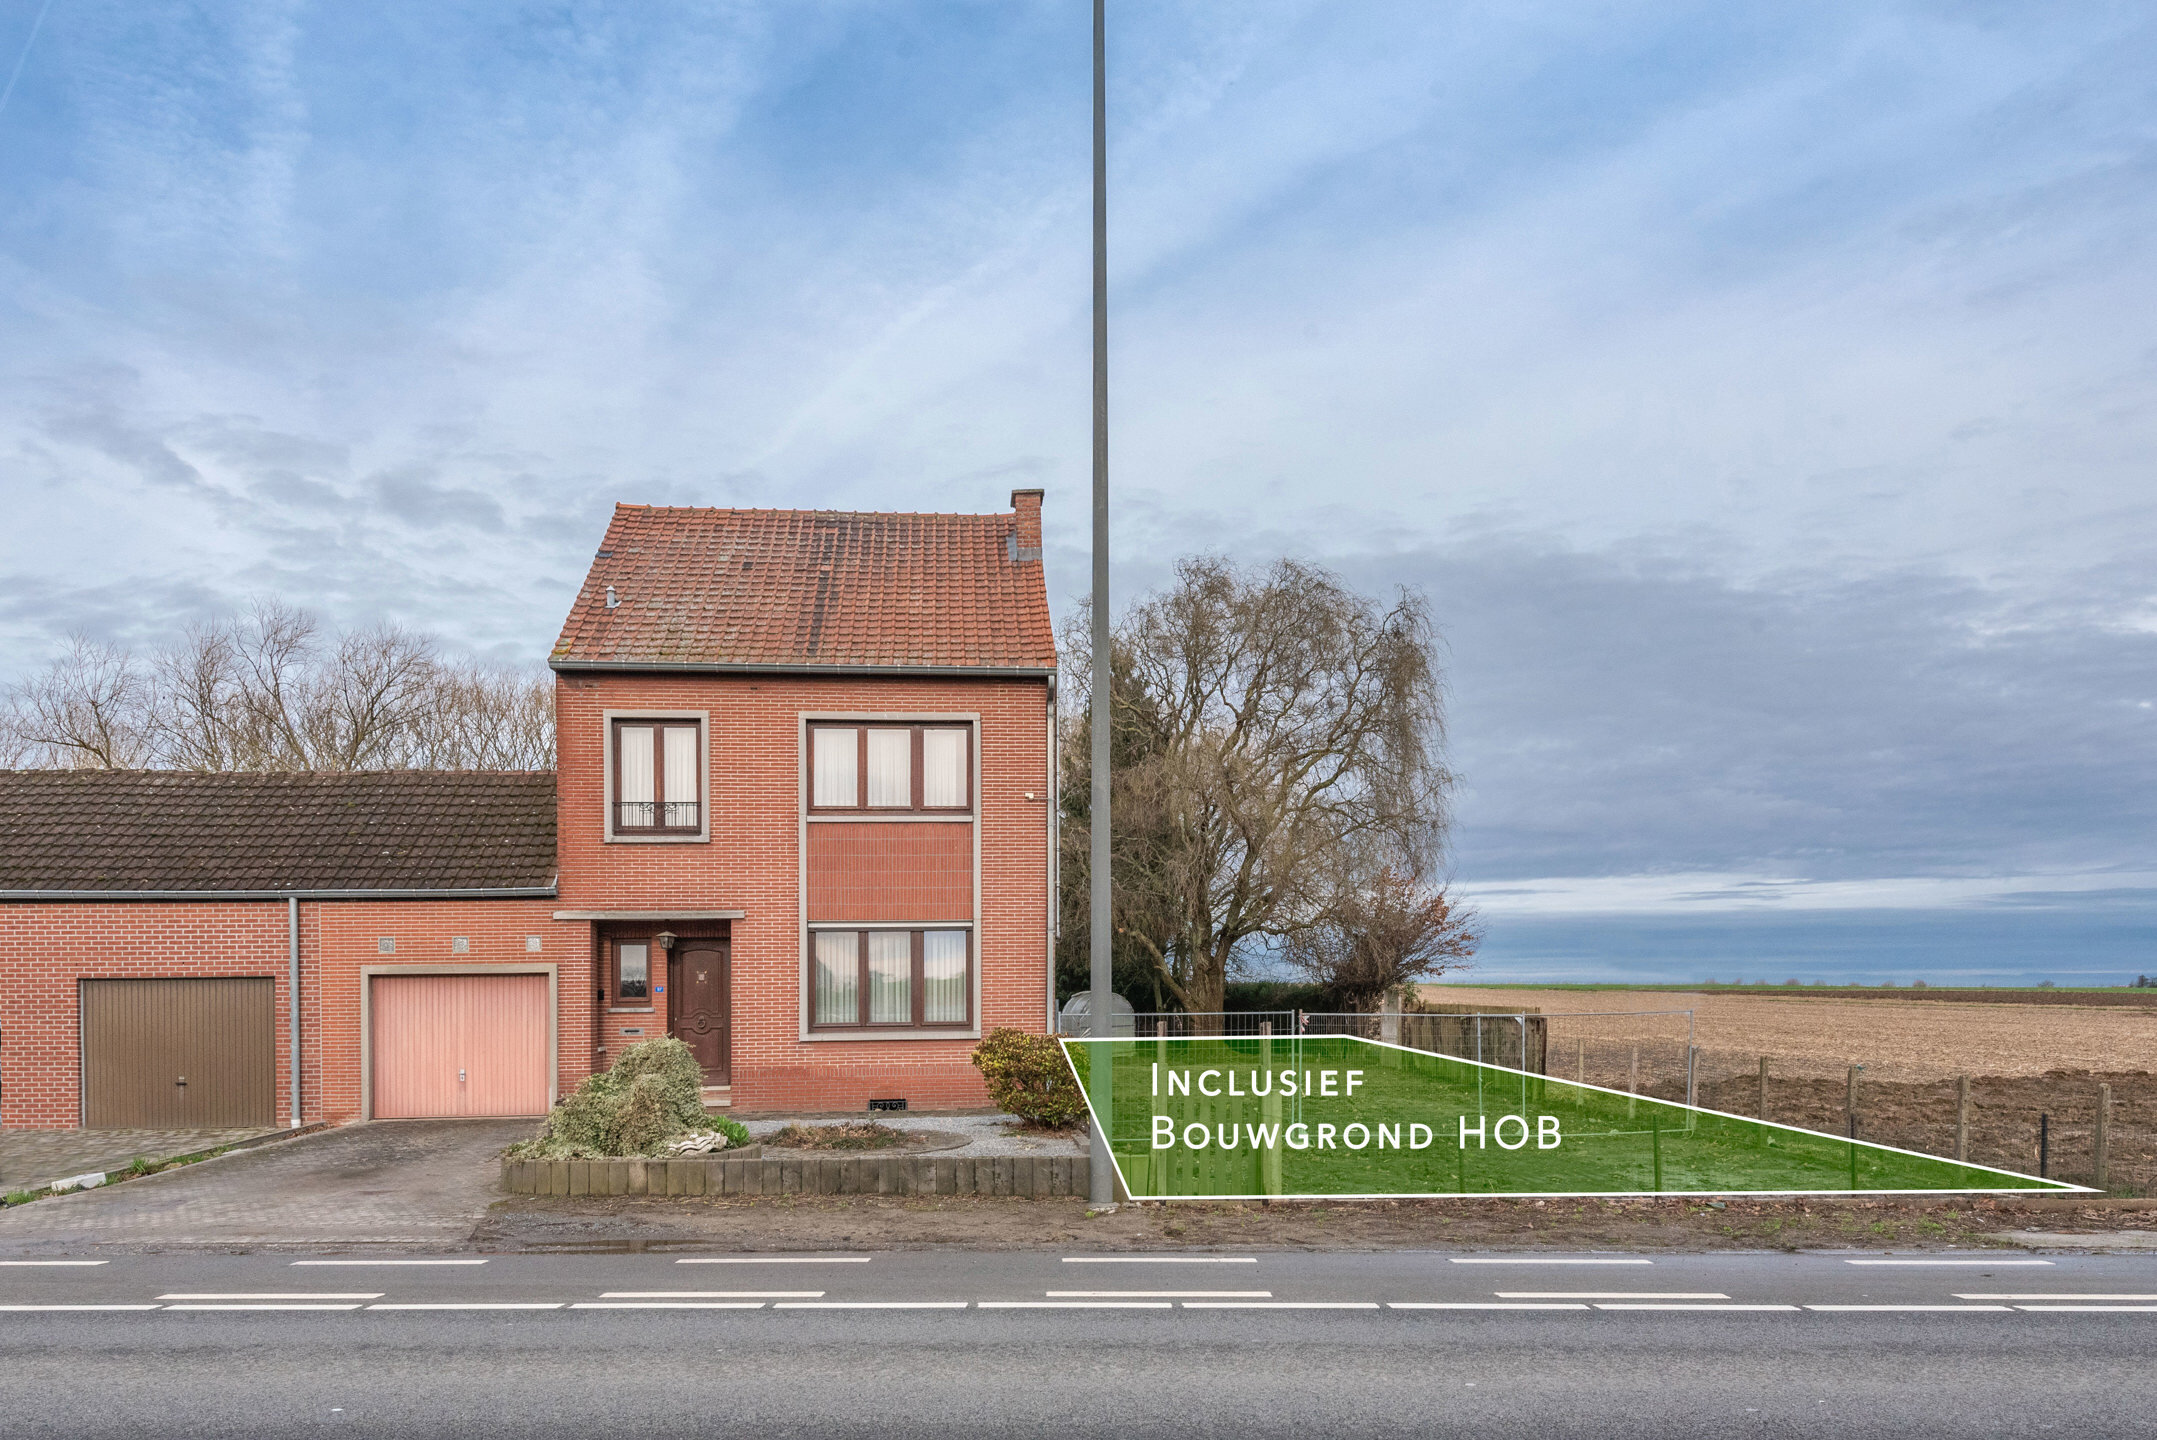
{"points": [[169, 830], [788, 588]]}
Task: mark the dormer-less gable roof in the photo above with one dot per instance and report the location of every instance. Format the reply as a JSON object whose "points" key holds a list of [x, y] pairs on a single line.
{"points": [[122, 833], [708, 589]]}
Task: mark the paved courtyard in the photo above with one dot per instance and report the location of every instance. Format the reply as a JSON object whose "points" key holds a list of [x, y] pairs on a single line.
{"points": [[408, 1182], [31, 1159]]}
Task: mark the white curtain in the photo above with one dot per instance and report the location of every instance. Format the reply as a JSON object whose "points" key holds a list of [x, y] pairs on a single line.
{"points": [[634, 962], [943, 977], [636, 793], [834, 763], [891, 768], [943, 768], [891, 971], [681, 777], [838, 982]]}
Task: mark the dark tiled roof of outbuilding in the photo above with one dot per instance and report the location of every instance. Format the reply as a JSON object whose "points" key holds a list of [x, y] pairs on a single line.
{"points": [[168, 830], [787, 588]]}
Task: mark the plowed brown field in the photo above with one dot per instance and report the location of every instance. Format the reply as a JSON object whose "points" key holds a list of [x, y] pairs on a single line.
{"points": [[2032, 1067]]}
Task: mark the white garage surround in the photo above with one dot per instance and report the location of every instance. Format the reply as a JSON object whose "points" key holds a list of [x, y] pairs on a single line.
{"points": [[369, 973]]}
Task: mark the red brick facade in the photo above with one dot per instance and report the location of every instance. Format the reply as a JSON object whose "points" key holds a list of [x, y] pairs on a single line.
{"points": [[50, 948], [754, 863], [761, 871]]}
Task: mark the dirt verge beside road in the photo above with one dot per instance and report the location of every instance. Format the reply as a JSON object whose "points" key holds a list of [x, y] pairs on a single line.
{"points": [[799, 1223]]}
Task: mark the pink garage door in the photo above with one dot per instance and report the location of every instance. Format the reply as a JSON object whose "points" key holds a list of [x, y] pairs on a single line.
{"points": [[459, 1045]]}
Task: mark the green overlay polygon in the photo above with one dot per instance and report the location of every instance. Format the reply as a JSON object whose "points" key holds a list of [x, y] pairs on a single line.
{"points": [[1337, 1116]]}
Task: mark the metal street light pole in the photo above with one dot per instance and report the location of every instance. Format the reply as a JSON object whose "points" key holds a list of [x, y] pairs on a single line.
{"points": [[1103, 1188]]}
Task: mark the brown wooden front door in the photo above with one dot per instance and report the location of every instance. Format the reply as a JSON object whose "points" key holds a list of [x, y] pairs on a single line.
{"points": [[700, 1009]]}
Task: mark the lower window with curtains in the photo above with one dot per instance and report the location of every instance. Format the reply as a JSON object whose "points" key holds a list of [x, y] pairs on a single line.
{"points": [[868, 979]]}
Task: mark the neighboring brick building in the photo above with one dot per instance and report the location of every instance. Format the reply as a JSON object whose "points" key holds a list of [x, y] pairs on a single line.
{"points": [[802, 818]]}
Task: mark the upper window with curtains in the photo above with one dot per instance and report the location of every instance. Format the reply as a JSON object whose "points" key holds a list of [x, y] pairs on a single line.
{"points": [[894, 768], [658, 770]]}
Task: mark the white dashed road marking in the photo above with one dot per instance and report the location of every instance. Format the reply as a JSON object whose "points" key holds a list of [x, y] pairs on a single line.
{"points": [[1980, 1264], [870, 1305], [278, 1295], [668, 1305], [1660, 1305], [1484, 1305], [478, 1305], [711, 1294], [1899, 1309], [775, 1260], [389, 1262], [1160, 1259], [1610, 1294], [1159, 1294], [1537, 1260], [52, 1264]]}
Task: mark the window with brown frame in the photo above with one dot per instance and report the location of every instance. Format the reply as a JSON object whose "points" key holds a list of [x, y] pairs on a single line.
{"points": [[898, 979], [632, 972], [658, 777], [891, 768]]}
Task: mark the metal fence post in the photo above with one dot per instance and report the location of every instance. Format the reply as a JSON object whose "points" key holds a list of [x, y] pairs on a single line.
{"points": [[2102, 1138], [1692, 1070], [1763, 1087], [1849, 1099], [1962, 1118]]}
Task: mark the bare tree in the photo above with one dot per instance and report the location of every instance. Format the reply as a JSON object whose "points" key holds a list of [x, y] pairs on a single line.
{"points": [[482, 718], [267, 692], [1287, 727], [1380, 934], [89, 710]]}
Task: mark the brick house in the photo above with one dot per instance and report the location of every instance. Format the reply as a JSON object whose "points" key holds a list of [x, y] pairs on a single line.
{"points": [[801, 818]]}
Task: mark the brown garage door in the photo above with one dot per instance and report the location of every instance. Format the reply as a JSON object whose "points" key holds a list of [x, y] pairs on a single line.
{"points": [[459, 1045], [179, 1054]]}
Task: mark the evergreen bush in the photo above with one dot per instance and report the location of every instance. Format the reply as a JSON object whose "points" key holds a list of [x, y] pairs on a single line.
{"points": [[652, 1095], [1028, 1076]]}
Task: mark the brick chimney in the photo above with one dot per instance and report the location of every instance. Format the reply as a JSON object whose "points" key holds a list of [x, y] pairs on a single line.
{"points": [[1026, 543]]}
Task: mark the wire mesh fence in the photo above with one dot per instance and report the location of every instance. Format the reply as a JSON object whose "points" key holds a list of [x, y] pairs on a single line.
{"points": [[2030, 1124]]}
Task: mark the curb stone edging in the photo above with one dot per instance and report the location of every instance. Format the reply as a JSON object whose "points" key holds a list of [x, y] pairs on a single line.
{"points": [[1022, 1176]]}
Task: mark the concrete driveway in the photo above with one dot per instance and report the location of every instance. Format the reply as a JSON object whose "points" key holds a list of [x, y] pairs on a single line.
{"points": [[423, 1183]]}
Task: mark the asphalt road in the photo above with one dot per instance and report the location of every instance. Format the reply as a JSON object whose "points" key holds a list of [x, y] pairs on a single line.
{"points": [[1008, 1344]]}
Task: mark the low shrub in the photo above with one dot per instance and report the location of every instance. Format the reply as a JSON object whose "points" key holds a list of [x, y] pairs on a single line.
{"points": [[848, 1135], [650, 1096], [1028, 1076]]}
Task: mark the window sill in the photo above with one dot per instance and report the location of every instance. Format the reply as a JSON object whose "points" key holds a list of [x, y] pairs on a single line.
{"points": [[871, 1036], [630, 1010], [617, 839], [886, 817]]}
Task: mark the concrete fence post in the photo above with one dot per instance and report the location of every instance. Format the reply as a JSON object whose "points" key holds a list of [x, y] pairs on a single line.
{"points": [[2102, 1137], [1962, 1118], [1763, 1087]]}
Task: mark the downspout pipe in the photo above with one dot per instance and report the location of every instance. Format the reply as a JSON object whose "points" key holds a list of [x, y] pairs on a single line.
{"points": [[292, 938]]}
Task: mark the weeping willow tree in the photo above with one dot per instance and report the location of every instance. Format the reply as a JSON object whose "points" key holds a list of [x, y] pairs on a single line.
{"points": [[1276, 733]]}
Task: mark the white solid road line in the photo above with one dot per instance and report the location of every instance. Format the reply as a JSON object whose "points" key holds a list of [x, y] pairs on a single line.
{"points": [[1661, 1305], [1937, 1309], [1160, 1259], [1981, 1264], [170, 1309], [1280, 1304], [775, 1260], [711, 1294], [1960, 1296], [278, 1295], [55, 1264], [1159, 1294], [476, 1305], [27, 1309], [1535, 1260], [389, 1262], [1484, 1305], [668, 1305], [2088, 1309], [870, 1305], [1610, 1294], [1073, 1305]]}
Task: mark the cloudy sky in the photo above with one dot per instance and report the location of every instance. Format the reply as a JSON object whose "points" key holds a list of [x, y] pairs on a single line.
{"points": [[1765, 394]]}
